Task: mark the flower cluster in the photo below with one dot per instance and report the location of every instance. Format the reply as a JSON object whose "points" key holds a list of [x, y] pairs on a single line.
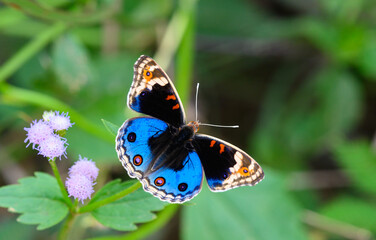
{"points": [[46, 134], [81, 179]]}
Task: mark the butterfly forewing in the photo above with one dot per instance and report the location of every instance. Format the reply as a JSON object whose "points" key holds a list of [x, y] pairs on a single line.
{"points": [[225, 165], [153, 93]]}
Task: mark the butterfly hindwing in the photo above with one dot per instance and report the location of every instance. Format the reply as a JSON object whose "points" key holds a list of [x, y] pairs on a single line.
{"points": [[225, 165], [142, 144], [172, 185], [132, 143], [153, 93]]}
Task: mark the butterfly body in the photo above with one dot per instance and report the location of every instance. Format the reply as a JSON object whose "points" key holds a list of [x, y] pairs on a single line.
{"points": [[167, 155]]}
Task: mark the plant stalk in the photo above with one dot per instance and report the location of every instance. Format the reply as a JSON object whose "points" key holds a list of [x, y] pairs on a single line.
{"points": [[67, 200]]}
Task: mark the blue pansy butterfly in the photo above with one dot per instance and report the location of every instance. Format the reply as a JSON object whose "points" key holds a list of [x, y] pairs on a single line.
{"points": [[165, 153]]}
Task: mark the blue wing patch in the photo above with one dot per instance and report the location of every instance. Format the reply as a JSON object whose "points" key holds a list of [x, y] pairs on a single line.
{"points": [[132, 143], [138, 156], [176, 186]]}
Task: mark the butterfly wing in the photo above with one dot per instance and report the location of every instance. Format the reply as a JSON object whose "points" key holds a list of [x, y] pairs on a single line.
{"points": [[142, 144], [176, 186], [225, 165], [153, 93]]}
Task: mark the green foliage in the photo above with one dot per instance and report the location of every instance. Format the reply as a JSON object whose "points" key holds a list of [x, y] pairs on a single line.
{"points": [[124, 213], [265, 211], [359, 160], [38, 199], [71, 63], [110, 189], [14, 230], [352, 210], [342, 11], [83, 143], [310, 116], [112, 128]]}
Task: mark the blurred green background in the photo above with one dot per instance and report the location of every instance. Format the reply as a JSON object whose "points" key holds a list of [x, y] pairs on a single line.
{"points": [[299, 77]]}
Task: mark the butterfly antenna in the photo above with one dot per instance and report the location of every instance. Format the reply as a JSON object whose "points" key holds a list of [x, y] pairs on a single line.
{"points": [[197, 87], [207, 124], [222, 126]]}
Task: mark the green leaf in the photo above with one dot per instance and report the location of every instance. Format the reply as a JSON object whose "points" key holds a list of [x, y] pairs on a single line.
{"points": [[71, 62], [367, 56], [310, 116], [250, 20], [38, 199], [142, 12], [112, 128], [342, 42], [351, 210], [10, 229], [9, 16], [111, 188], [81, 142], [37, 10], [124, 213], [359, 159], [265, 211], [344, 11]]}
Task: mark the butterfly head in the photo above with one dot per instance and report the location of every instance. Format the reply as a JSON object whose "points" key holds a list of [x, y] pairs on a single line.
{"points": [[194, 125]]}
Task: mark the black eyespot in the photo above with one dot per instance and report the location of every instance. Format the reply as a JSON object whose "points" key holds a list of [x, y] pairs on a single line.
{"points": [[148, 73], [225, 175], [143, 94], [182, 187], [245, 170], [131, 137]]}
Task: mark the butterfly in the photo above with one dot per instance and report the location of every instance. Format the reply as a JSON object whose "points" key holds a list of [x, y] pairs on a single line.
{"points": [[167, 154]]}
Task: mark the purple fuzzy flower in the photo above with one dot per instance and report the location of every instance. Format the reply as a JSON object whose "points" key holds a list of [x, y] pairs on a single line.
{"points": [[38, 132], [79, 187], [59, 121], [47, 115], [84, 167], [53, 147]]}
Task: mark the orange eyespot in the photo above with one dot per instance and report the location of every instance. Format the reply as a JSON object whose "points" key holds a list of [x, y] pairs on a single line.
{"points": [[212, 143], [137, 160], [148, 75], [244, 171], [159, 181]]}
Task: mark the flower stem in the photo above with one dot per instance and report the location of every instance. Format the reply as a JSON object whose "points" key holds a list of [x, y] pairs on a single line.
{"points": [[60, 182], [95, 205], [63, 234], [74, 205]]}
